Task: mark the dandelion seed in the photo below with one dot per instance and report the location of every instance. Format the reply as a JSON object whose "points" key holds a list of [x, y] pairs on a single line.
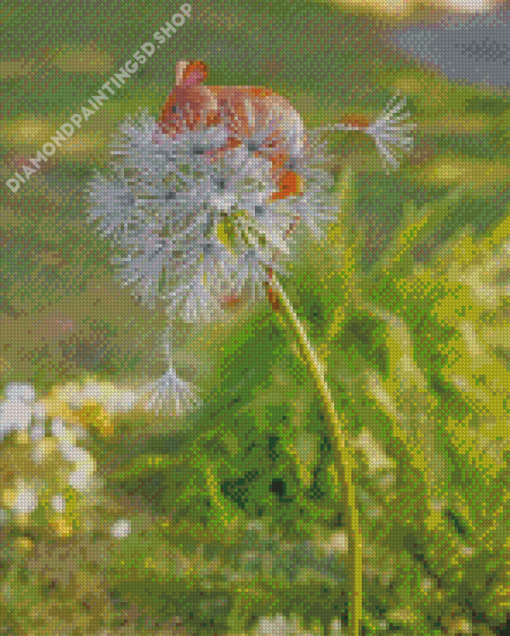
{"points": [[389, 133], [170, 395]]}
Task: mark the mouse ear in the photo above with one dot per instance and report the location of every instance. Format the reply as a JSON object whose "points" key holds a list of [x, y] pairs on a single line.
{"points": [[193, 73], [180, 67]]}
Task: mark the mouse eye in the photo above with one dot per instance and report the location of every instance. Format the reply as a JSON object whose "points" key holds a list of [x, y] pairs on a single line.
{"points": [[174, 108]]}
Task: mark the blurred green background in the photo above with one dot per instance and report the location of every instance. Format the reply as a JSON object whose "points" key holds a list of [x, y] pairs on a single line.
{"points": [[61, 312]]}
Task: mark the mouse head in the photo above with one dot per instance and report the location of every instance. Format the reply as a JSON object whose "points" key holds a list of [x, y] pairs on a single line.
{"points": [[190, 99], [190, 73]]}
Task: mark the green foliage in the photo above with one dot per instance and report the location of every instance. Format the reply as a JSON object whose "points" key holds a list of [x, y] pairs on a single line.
{"points": [[421, 382]]}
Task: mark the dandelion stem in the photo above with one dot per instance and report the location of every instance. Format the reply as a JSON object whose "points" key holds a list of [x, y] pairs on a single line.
{"points": [[342, 458]]}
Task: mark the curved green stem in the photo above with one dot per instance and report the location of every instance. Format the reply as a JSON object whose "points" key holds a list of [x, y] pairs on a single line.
{"points": [[342, 459]]}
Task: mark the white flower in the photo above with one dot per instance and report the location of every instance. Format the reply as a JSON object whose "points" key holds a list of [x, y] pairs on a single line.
{"points": [[14, 415], [58, 503], [170, 395], [26, 498], [336, 627], [91, 391], [37, 433], [338, 542], [39, 412], [58, 428], [120, 400], [279, 626], [82, 478], [66, 436], [121, 529], [112, 397], [73, 453], [19, 391], [276, 626], [18, 411]]}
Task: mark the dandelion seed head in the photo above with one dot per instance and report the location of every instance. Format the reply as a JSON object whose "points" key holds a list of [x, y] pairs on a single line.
{"points": [[202, 214], [206, 210], [187, 212]]}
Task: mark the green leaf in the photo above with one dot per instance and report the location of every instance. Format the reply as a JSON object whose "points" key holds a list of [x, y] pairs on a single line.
{"points": [[144, 465], [415, 226]]}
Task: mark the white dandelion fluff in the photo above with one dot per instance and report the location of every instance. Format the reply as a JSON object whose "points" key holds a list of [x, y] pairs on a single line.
{"points": [[170, 395], [390, 134], [252, 274], [388, 131], [187, 211]]}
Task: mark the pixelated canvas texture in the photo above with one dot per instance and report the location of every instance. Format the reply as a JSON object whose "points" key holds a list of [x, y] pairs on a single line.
{"points": [[254, 317]]}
